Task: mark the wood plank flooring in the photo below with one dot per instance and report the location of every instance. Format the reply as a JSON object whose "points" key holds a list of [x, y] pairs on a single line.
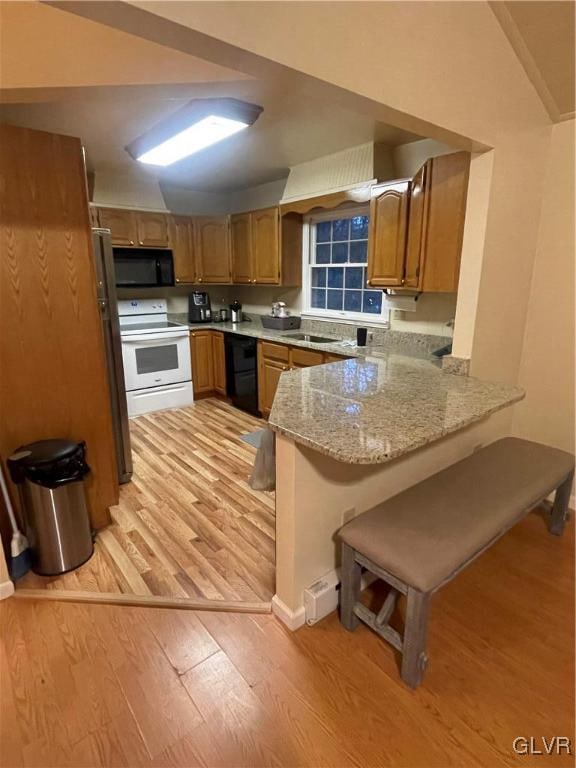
{"points": [[85, 686], [188, 525]]}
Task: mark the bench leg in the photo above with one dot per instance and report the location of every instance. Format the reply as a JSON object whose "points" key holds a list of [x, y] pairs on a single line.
{"points": [[350, 573], [560, 506], [414, 657]]}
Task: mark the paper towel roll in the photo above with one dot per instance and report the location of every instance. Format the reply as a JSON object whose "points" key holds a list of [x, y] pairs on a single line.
{"points": [[398, 301]]}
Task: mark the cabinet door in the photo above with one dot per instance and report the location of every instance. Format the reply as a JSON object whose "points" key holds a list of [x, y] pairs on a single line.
{"points": [[270, 372], [266, 246], [202, 362], [152, 230], [219, 359], [212, 240], [121, 223], [182, 244], [241, 248], [304, 358], [448, 188], [387, 237], [413, 272]]}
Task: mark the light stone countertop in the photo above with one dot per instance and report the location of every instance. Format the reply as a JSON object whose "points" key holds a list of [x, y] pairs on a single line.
{"points": [[255, 329], [374, 410], [381, 403]]}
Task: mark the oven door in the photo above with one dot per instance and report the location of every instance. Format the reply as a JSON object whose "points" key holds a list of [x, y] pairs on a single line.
{"points": [[156, 359]]}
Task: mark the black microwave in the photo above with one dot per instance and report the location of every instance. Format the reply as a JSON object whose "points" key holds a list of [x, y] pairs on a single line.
{"points": [[143, 267]]}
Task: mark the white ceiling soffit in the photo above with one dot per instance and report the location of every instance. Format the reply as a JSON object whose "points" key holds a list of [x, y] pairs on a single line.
{"points": [[542, 35]]}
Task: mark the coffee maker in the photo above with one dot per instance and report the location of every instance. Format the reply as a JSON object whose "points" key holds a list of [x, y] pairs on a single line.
{"points": [[199, 309]]}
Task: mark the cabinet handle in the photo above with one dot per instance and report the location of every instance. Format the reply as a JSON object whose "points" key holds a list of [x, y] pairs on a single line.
{"points": [[368, 282], [177, 279], [285, 368], [131, 242], [141, 242], [199, 279]]}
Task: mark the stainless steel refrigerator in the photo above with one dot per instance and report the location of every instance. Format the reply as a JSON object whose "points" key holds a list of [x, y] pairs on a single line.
{"points": [[107, 300]]}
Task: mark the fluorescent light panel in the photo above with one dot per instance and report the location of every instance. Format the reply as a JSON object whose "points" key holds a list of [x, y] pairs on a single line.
{"points": [[202, 134]]}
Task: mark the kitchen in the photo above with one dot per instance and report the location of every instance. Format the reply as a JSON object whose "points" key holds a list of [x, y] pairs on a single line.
{"points": [[200, 370], [400, 201]]}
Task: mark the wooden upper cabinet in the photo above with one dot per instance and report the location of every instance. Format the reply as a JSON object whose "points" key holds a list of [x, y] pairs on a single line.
{"points": [[387, 236], [212, 243], [219, 360], [241, 242], [182, 244], [122, 224], [135, 228], [447, 188], [266, 246], [152, 229], [202, 362], [413, 274]]}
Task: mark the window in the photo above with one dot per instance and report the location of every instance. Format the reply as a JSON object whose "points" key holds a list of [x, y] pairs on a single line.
{"points": [[336, 245]]}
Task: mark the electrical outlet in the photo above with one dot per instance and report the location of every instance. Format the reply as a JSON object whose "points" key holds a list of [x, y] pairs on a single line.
{"points": [[348, 514]]}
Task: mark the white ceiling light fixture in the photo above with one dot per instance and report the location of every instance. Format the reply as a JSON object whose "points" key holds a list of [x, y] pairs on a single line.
{"points": [[198, 125]]}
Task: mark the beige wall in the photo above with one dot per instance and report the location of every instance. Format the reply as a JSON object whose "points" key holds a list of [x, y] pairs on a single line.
{"points": [[547, 364]]}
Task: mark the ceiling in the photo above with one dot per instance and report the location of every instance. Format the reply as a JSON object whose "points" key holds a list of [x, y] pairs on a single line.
{"points": [[543, 37], [70, 75]]}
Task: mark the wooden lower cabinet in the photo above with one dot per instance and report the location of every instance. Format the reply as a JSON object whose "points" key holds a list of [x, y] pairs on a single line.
{"points": [[208, 362], [219, 360], [202, 353], [274, 359]]}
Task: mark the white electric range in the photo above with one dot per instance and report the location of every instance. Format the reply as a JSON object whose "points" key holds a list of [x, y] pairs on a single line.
{"points": [[156, 357]]}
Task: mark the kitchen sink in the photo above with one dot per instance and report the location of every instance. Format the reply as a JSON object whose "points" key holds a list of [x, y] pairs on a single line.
{"points": [[312, 339]]}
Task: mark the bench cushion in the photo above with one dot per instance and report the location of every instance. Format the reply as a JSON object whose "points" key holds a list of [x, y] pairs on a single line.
{"points": [[425, 534]]}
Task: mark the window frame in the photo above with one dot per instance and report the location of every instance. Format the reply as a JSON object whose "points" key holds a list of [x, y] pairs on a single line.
{"points": [[308, 251]]}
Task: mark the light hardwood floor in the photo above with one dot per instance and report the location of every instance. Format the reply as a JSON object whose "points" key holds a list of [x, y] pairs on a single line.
{"points": [[188, 525], [85, 686]]}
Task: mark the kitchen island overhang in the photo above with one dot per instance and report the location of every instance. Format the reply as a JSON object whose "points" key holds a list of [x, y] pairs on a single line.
{"points": [[352, 434]]}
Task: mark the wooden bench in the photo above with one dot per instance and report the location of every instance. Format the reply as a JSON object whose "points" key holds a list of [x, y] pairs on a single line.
{"points": [[420, 539]]}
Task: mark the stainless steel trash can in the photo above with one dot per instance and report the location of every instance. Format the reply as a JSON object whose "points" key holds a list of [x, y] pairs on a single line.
{"points": [[50, 475]]}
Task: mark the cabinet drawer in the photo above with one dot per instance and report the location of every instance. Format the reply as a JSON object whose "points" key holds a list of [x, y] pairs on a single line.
{"points": [[305, 357], [275, 351], [330, 358]]}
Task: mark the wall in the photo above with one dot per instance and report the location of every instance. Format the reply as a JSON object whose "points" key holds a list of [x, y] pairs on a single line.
{"points": [[409, 158], [547, 365], [137, 189]]}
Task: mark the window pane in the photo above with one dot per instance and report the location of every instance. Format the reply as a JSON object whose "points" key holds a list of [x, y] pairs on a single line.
{"points": [[319, 277], [353, 301], [318, 298], [372, 302], [323, 229], [341, 229], [339, 253], [354, 277], [322, 254], [359, 252], [335, 277], [359, 228], [335, 299]]}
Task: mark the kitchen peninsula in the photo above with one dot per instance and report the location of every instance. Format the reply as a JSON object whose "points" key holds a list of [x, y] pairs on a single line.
{"points": [[354, 433]]}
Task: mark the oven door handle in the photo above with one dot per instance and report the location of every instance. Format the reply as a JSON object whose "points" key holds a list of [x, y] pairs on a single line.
{"points": [[155, 337]]}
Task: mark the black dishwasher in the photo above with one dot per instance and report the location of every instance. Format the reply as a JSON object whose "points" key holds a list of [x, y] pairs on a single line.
{"points": [[241, 372]]}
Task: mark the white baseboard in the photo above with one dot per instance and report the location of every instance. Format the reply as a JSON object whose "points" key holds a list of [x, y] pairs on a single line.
{"points": [[6, 589], [292, 619]]}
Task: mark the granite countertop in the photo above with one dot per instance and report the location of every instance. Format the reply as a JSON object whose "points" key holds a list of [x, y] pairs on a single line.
{"points": [[374, 410], [255, 329]]}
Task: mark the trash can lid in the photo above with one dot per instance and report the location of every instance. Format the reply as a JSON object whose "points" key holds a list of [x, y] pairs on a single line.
{"points": [[45, 452]]}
